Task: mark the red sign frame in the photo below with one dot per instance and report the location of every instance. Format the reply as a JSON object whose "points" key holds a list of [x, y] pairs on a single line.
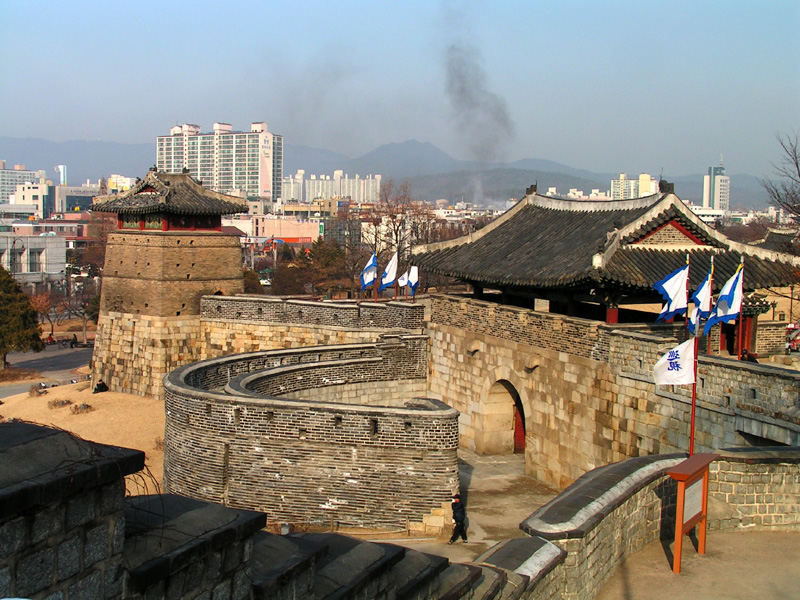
{"points": [[692, 476]]}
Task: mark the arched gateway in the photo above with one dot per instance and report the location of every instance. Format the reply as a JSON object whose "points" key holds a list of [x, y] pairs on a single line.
{"points": [[503, 420]]}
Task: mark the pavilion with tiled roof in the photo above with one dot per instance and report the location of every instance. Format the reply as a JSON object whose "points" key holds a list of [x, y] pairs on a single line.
{"points": [[780, 240], [169, 202], [582, 255]]}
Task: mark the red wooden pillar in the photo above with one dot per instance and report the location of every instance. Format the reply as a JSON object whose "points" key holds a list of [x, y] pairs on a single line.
{"points": [[612, 314]]}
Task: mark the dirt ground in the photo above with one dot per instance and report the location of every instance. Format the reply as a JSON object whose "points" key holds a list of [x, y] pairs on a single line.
{"points": [[115, 419]]}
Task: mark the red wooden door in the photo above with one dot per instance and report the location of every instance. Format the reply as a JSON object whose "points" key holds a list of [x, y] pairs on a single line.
{"points": [[519, 431]]}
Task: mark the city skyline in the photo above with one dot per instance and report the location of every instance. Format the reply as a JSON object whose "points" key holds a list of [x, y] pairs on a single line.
{"points": [[610, 87]]}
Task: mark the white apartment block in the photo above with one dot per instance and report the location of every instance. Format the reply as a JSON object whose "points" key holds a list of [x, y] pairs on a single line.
{"points": [[226, 161], [11, 178], [360, 190], [39, 195], [629, 189]]}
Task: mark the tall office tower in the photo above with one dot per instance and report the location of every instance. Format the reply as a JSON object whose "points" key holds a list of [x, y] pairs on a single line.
{"points": [[226, 161], [717, 189]]}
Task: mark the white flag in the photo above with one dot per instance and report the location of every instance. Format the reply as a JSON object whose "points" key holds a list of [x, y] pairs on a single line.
{"points": [[413, 279], [402, 281], [676, 367], [729, 303], [675, 292], [389, 274], [370, 272]]}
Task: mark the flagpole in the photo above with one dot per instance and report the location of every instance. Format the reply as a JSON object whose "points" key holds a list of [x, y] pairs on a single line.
{"points": [[694, 366], [741, 317], [711, 291]]}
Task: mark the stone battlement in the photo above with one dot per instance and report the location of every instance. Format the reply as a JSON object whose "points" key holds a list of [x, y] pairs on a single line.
{"points": [[361, 315]]}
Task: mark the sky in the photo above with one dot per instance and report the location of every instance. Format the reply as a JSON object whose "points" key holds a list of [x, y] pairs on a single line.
{"points": [[627, 86]]}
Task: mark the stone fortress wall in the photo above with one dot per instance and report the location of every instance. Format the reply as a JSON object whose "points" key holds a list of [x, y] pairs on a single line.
{"points": [[126, 342], [152, 284], [586, 389], [233, 437], [67, 530], [614, 511]]}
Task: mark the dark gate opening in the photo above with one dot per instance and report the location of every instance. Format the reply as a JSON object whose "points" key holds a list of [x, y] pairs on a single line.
{"points": [[519, 426]]}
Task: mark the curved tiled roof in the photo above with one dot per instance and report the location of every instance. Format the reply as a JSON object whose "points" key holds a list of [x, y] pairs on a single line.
{"points": [[546, 243], [779, 240], [170, 193], [642, 266]]}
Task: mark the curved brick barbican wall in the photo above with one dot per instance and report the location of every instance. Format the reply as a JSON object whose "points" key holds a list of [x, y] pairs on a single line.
{"points": [[389, 458]]}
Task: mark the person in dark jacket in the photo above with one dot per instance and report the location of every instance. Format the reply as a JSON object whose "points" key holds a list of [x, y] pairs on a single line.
{"points": [[459, 517], [748, 356]]}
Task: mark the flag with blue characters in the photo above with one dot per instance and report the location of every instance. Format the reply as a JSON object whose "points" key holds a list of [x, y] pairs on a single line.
{"points": [[676, 367]]}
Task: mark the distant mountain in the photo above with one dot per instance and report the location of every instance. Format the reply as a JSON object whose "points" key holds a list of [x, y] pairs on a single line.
{"points": [[314, 161], [433, 173], [84, 160], [493, 187]]}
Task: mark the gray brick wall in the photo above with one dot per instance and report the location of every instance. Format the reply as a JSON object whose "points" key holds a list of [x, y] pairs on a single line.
{"points": [[367, 315], [380, 461]]}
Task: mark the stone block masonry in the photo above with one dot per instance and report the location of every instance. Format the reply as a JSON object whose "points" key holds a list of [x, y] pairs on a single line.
{"points": [[133, 353], [587, 392], [616, 510], [399, 315], [135, 350], [62, 527]]}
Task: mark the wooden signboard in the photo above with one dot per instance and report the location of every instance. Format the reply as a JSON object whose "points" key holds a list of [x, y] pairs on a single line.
{"points": [[692, 508]]}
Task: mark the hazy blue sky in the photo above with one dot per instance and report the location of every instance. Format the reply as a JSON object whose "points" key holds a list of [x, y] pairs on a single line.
{"points": [[606, 86]]}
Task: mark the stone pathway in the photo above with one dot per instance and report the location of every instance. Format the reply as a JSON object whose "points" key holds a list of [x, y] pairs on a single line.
{"points": [[498, 496]]}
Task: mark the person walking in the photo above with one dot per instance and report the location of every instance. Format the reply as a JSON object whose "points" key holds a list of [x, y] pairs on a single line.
{"points": [[459, 518]]}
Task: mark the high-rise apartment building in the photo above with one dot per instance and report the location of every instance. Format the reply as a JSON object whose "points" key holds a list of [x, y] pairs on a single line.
{"points": [[717, 189], [11, 178], [629, 189], [227, 161], [624, 188], [360, 190]]}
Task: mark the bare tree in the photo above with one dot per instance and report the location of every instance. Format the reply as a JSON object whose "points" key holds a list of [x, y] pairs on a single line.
{"points": [[43, 304], [784, 190]]}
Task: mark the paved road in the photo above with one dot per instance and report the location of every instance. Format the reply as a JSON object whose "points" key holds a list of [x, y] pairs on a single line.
{"points": [[53, 364]]}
